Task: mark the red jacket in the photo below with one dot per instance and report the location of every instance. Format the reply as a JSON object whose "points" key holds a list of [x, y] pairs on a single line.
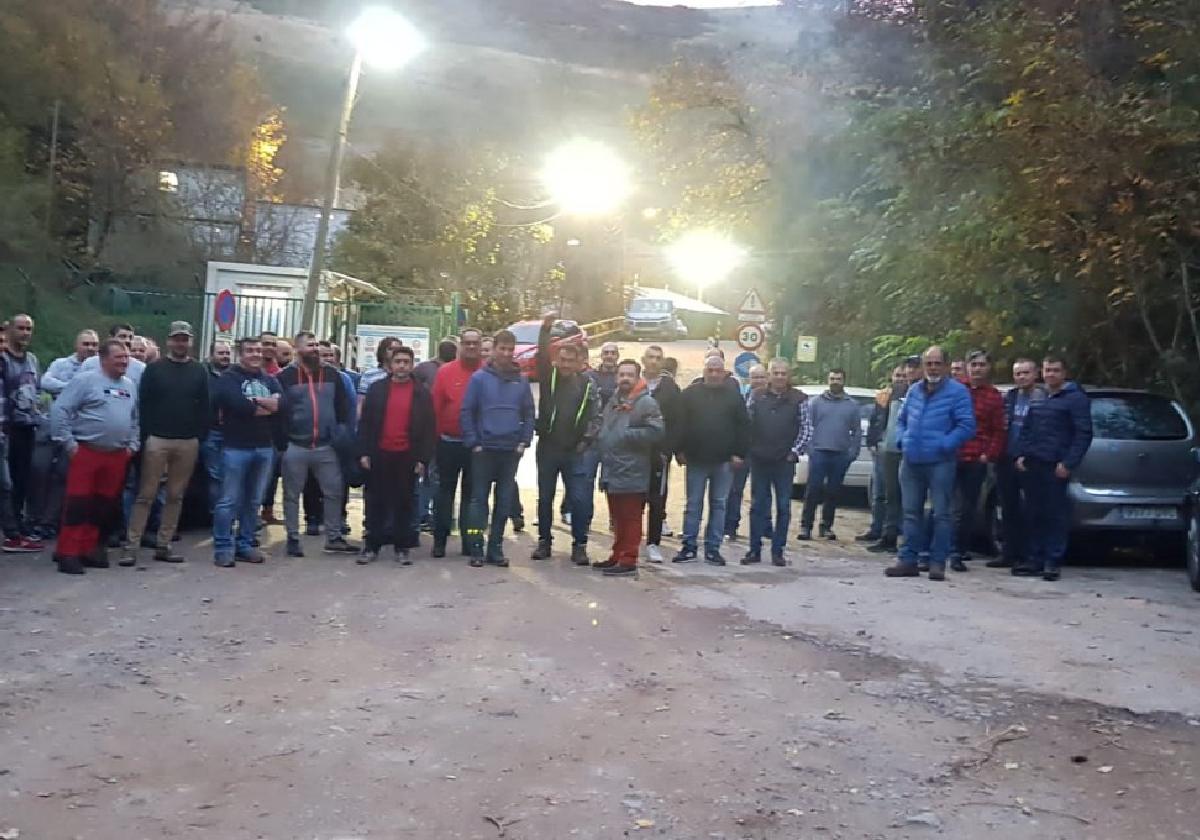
{"points": [[449, 388], [989, 425]]}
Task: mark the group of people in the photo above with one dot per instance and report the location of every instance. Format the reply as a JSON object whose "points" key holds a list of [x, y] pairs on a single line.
{"points": [[113, 439]]}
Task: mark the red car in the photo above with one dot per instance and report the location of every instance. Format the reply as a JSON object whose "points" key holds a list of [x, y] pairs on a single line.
{"points": [[563, 332]]}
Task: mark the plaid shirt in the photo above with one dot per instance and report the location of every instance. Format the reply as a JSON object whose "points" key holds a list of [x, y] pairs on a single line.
{"points": [[989, 425]]}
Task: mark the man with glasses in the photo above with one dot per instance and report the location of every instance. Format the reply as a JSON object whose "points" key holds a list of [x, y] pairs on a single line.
{"points": [[982, 450], [452, 456], [935, 421]]}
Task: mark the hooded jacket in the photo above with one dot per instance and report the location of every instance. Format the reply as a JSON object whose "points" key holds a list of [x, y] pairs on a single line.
{"points": [[630, 431], [568, 407], [497, 410], [1058, 428], [933, 424], [836, 424]]}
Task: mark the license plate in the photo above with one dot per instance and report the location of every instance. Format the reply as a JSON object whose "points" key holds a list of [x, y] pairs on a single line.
{"points": [[1149, 513]]}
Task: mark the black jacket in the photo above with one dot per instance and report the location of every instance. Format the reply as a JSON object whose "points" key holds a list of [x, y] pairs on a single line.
{"points": [[712, 425], [568, 413], [667, 396], [422, 427], [173, 400], [233, 391]]}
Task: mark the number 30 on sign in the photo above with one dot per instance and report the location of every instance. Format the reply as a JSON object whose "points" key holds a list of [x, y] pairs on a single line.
{"points": [[750, 336]]}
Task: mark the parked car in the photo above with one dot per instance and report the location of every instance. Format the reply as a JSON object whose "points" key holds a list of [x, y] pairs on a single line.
{"points": [[653, 318], [562, 332], [858, 477], [1193, 531], [1137, 483]]}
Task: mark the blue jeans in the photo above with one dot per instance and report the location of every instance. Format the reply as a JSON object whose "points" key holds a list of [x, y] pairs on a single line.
{"points": [[737, 492], [245, 476], [574, 469], [936, 480], [1047, 515], [210, 457], [826, 472], [488, 468], [717, 478], [767, 477]]}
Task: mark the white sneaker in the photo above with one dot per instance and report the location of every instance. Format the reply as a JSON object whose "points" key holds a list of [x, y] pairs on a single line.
{"points": [[654, 554], [566, 518]]}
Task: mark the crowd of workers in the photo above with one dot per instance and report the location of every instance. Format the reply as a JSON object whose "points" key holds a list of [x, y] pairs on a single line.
{"points": [[100, 450]]}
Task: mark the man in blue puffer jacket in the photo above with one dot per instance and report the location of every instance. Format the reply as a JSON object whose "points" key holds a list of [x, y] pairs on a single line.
{"points": [[497, 426], [937, 418], [1054, 438]]}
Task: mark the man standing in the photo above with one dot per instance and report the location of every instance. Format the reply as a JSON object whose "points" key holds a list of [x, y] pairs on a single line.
{"points": [[935, 421], [124, 334], [1055, 436], [779, 434], [396, 438], [22, 382], [497, 426], [567, 424], [247, 398], [836, 440], [426, 371], [314, 407], [62, 371], [976, 454], [737, 488], [96, 420], [711, 438], [174, 410], [453, 456], [666, 393], [1012, 507], [876, 431], [270, 345], [630, 431], [220, 356], [887, 460], [605, 376]]}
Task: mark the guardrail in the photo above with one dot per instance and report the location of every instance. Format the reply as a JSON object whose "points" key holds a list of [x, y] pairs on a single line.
{"points": [[605, 328]]}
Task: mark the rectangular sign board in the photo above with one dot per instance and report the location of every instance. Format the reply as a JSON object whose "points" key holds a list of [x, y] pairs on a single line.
{"points": [[806, 348], [369, 336]]}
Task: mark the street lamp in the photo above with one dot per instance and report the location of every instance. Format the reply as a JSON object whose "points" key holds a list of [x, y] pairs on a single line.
{"points": [[384, 40], [704, 258], [586, 178]]}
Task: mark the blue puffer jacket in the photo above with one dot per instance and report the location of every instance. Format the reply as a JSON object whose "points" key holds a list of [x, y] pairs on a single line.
{"points": [[932, 426], [497, 410], [1058, 428]]}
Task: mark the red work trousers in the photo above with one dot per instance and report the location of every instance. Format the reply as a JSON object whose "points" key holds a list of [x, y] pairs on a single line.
{"points": [[626, 512], [92, 506]]}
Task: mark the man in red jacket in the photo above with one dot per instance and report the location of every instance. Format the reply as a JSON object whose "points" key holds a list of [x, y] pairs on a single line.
{"points": [[453, 458], [985, 448]]}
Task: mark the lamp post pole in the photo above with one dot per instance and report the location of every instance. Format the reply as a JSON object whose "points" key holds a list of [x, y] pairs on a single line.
{"points": [[333, 179]]}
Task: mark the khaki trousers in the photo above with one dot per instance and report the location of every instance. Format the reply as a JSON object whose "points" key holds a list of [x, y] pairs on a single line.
{"points": [[175, 459]]}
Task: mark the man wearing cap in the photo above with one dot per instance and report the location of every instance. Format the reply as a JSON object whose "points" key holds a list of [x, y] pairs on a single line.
{"points": [[174, 412]]}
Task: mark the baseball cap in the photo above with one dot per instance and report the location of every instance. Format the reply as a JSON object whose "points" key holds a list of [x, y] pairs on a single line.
{"points": [[181, 328]]}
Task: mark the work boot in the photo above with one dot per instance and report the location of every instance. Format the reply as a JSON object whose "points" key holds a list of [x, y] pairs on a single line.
{"points": [[293, 547], [901, 570], [165, 555], [579, 555], [868, 537], [70, 565], [751, 557], [542, 552], [886, 545]]}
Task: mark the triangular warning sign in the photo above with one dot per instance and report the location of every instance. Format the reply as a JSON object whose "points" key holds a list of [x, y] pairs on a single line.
{"points": [[752, 304]]}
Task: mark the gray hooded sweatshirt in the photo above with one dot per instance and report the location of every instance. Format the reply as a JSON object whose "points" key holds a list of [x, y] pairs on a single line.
{"points": [[836, 424]]}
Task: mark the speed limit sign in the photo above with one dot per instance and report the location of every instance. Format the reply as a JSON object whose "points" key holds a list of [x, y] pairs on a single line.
{"points": [[750, 336]]}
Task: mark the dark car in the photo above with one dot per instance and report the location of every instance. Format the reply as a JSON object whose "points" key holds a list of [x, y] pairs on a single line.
{"points": [[1193, 531], [1134, 482], [526, 332]]}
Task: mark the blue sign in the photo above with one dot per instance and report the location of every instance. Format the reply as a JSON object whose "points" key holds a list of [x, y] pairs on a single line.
{"points": [[225, 310], [743, 363]]}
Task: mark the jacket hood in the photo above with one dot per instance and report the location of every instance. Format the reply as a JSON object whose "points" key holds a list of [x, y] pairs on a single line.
{"points": [[639, 391], [512, 375], [828, 395]]}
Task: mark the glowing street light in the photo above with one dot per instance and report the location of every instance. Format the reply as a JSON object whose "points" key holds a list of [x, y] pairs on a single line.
{"points": [[704, 258], [586, 178], [384, 40]]}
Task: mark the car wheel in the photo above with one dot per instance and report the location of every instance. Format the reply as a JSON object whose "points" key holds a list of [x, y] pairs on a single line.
{"points": [[1193, 548]]}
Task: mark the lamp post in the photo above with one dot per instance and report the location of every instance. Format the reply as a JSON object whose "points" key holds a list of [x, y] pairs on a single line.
{"points": [[382, 39], [704, 258]]}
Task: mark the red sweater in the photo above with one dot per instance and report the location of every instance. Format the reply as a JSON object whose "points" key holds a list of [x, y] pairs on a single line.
{"points": [[989, 425], [393, 437], [449, 388]]}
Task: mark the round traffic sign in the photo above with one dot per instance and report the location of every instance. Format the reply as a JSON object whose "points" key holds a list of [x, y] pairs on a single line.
{"points": [[743, 363], [225, 310], [750, 336]]}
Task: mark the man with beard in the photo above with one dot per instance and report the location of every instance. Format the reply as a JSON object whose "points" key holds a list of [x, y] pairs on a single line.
{"points": [[630, 430], [836, 439], [22, 383], [220, 355], [96, 420], [661, 386], [882, 438]]}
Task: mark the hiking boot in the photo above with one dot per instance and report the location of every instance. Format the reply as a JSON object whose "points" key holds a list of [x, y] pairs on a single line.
{"points": [[685, 555], [293, 547], [887, 545], [618, 570], [805, 534], [751, 557], [868, 537], [165, 555], [70, 565], [579, 555], [901, 570], [542, 552], [654, 554], [338, 545], [402, 557], [224, 562], [937, 573], [958, 565], [778, 559], [714, 558], [999, 563], [252, 556]]}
